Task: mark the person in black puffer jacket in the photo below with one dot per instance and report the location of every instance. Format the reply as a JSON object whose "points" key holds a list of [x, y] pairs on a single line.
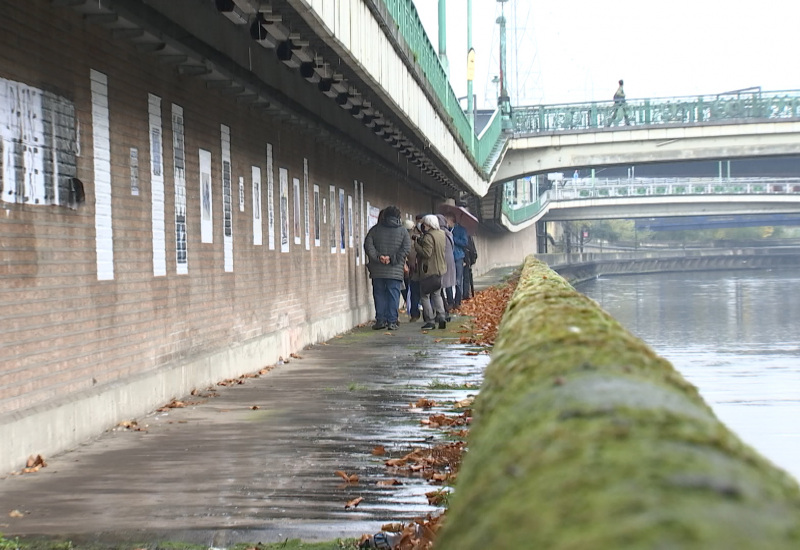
{"points": [[386, 245]]}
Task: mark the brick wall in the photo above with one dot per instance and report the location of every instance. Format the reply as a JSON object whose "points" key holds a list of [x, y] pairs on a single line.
{"points": [[65, 332]]}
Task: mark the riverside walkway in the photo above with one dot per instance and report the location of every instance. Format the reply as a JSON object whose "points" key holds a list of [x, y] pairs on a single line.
{"points": [[255, 461]]}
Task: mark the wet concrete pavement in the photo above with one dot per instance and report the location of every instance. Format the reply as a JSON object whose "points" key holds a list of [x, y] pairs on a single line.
{"points": [[256, 461]]}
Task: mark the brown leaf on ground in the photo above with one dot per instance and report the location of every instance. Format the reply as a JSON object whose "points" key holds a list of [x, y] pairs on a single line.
{"points": [[353, 503], [437, 340], [388, 483], [436, 498], [487, 308], [379, 450], [349, 478], [295, 356], [423, 403], [35, 462], [16, 514], [255, 407], [466, 402], [132, 425]]}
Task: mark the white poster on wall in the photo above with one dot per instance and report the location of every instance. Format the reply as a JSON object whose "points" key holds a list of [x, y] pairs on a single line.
{"points": [[257, 231], [270, 199], [227, 198], [104, 240], [374, 211], [179, 169], [342, 223], [350, 223], [157, 187], [284, 208], [306, 219], [296, 205], [317, 227], [206, 206], [333, 228]]}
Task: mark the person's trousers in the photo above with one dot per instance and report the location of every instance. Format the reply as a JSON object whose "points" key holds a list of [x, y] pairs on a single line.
{"points": [[386, 294], [467, 285], [433, 307], [459, 283], [415, 299]]}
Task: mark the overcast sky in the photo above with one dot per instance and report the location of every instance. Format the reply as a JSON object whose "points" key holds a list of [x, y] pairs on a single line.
{"points": [[563, 51]]}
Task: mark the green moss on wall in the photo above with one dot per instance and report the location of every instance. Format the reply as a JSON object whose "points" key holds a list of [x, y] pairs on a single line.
{"points": [[584, 438]]}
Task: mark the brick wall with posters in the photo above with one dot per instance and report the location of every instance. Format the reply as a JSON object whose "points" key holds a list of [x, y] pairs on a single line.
{"points": [[165, 277]]}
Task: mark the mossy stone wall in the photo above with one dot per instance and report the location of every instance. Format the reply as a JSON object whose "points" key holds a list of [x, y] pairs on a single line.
{"points": [[584, 439]]}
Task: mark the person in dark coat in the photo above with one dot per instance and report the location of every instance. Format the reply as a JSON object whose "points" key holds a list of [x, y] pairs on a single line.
{"points": [[386, 245]]}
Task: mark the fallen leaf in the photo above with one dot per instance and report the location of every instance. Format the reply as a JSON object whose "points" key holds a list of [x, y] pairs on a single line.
{"points": [[255, 407], [353, 478], [295, 356], [379, 450], [35, 462], [353, 503], [437, 340], [388, 482], [16, 514]]}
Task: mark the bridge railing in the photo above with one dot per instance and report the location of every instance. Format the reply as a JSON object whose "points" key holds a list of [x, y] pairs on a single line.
{"points": [[747, 105], [587, 188], [410, 26]]}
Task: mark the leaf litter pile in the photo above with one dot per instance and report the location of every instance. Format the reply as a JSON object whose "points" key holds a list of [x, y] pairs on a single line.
{"points": [[439, 464], [487, 308]]}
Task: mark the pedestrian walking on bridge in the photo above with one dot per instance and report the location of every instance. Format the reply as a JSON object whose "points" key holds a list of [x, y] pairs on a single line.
{"points": [[620, 106]]}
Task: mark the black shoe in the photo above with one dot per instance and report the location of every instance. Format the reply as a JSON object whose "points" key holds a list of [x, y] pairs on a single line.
{"points": [[413, 319], [442, 324], [379, 325], [428, 325], [393, 326]]}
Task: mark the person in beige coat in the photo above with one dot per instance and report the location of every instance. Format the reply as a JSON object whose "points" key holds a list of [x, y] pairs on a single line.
{"points": [[431, 265]]}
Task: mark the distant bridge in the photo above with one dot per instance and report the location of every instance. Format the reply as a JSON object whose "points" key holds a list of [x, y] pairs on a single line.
{"points": [[586, 199], [743, 124]]}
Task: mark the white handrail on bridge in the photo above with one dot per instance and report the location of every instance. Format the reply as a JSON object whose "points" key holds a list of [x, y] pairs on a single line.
{"points": [[583, 188]]}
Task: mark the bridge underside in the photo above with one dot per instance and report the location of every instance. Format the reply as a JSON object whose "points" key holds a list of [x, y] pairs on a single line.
{"points": [[558, 152]]}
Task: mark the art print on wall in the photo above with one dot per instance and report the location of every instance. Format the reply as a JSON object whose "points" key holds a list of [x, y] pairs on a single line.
{"points": [[227, 198], [255, 174], [270, 199], [316, 216], [179, 170], [296, 201], [158, 207], [342, 221], [283, 176], [206, 206], [306, 218], [332, 226]]}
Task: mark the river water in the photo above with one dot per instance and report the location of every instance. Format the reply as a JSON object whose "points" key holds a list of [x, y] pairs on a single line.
{"points": [[734, 335]]}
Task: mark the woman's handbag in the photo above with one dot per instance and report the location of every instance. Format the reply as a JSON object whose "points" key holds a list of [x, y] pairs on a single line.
{"points": [[430, 284]]}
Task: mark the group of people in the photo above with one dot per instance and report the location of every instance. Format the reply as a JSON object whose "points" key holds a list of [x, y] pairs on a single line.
{"points": [[423, 261]]}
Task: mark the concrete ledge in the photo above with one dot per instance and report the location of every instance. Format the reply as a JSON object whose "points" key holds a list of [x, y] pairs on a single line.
{"points": [[63, 424], [585, 438]]}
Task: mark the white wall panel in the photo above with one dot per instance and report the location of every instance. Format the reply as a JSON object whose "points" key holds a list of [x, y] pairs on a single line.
{"points": [[104, 240]]}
